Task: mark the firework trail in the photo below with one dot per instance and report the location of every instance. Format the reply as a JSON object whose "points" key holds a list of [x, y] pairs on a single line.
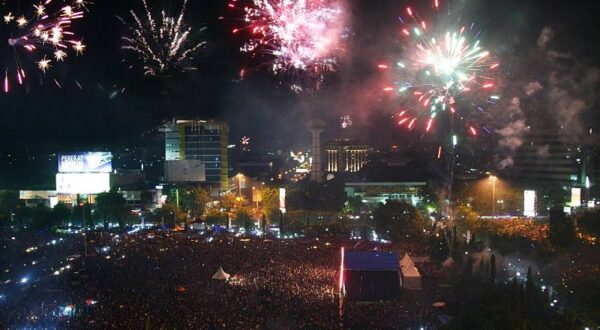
{"points": [[38, 36], [299, 36], [445, 67], [161, 44]]}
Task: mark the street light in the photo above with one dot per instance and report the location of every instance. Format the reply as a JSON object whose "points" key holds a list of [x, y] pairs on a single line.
{"points": [[240, 176], [493, 179]]}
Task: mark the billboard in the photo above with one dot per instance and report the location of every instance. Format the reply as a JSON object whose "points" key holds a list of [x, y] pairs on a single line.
{"points": [[575, 197], [85, 162], [185, 171], [282, 199], [529, 203], [82, 183]]}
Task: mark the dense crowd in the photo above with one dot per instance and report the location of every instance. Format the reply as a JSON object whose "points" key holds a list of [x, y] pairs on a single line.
{"points": [[534, 231], [164, 280]]}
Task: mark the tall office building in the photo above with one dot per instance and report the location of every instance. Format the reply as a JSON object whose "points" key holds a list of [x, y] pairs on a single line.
{"points": [[199, 140], [547, 157], [346, 156]]}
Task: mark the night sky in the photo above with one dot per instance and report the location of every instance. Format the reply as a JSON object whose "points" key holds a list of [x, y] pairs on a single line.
{"points": [[118, 105]]}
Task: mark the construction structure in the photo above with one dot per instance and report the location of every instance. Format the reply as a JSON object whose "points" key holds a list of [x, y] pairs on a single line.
{"points": [[316, 127]]}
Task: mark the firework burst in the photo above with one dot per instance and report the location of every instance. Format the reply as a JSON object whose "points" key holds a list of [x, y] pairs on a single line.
{"points": [[38, 37], [161, 44], [345, 121], [445, 66], [298, 35]]}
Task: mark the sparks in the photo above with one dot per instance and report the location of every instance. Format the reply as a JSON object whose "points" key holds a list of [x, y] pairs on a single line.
{"points": [[22, 22], [44, 64], [60, 55], [345, 121], [442, 63], [8, 18], [473, 131], [162, 45], [39, 34], [79, 47], [298, 35], [429, 123]]}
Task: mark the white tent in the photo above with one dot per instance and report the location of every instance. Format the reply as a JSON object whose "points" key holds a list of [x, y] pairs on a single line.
{"points": [[221, 275], [411, 278], [448, 262], [406, 262]]}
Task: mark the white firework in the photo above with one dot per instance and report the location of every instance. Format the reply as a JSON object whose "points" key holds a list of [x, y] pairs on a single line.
{"points": [[162, 45]]}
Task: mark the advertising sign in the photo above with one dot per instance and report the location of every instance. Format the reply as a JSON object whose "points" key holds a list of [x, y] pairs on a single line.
{"points": [[85, 162], [529, 203], [282, 199], [575, 197], [82, 183]]}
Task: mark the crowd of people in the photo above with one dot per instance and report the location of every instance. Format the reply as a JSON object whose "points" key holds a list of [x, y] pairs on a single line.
{"points": [[534, 231], [164, 280]]}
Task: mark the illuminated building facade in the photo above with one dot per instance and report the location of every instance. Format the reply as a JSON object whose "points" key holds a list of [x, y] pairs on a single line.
{"points": [[201, 140], [345, 156], [375, 193]]}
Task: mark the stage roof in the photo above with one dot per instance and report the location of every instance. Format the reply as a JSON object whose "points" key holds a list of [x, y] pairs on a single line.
{"points": [[371, 261]]}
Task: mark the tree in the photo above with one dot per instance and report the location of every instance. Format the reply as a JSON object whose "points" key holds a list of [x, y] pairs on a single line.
{"points": [[529, 286], [146, 199], [243, 219], [398, 220], [41, 218], [269, 197], [561, 228], [166, 214], [355, 204], [194, 200], [61, 213], [315, 196], [215, 217], [270, 204], [589, 222], [466, 218], [227, 201], [438, 247], [111, 205], [9, 203]]}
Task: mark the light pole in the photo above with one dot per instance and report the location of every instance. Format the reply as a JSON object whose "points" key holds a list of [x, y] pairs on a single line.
{"points": [[255, 197], [493, 178], [240, 176], [84, 232]]}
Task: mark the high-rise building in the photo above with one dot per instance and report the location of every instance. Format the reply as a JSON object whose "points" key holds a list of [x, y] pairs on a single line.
{"points": [[553, 160], [548, 157], [200, 140], [346, 156]]}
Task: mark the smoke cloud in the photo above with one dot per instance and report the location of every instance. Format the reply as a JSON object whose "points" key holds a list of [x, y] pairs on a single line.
{"points": [[545, 37], [554, 92]]}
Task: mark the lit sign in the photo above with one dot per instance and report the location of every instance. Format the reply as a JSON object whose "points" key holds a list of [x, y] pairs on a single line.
{"points": [[82, 183], [575, 197], [529, 203], [86, 162], [282, 199]]}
